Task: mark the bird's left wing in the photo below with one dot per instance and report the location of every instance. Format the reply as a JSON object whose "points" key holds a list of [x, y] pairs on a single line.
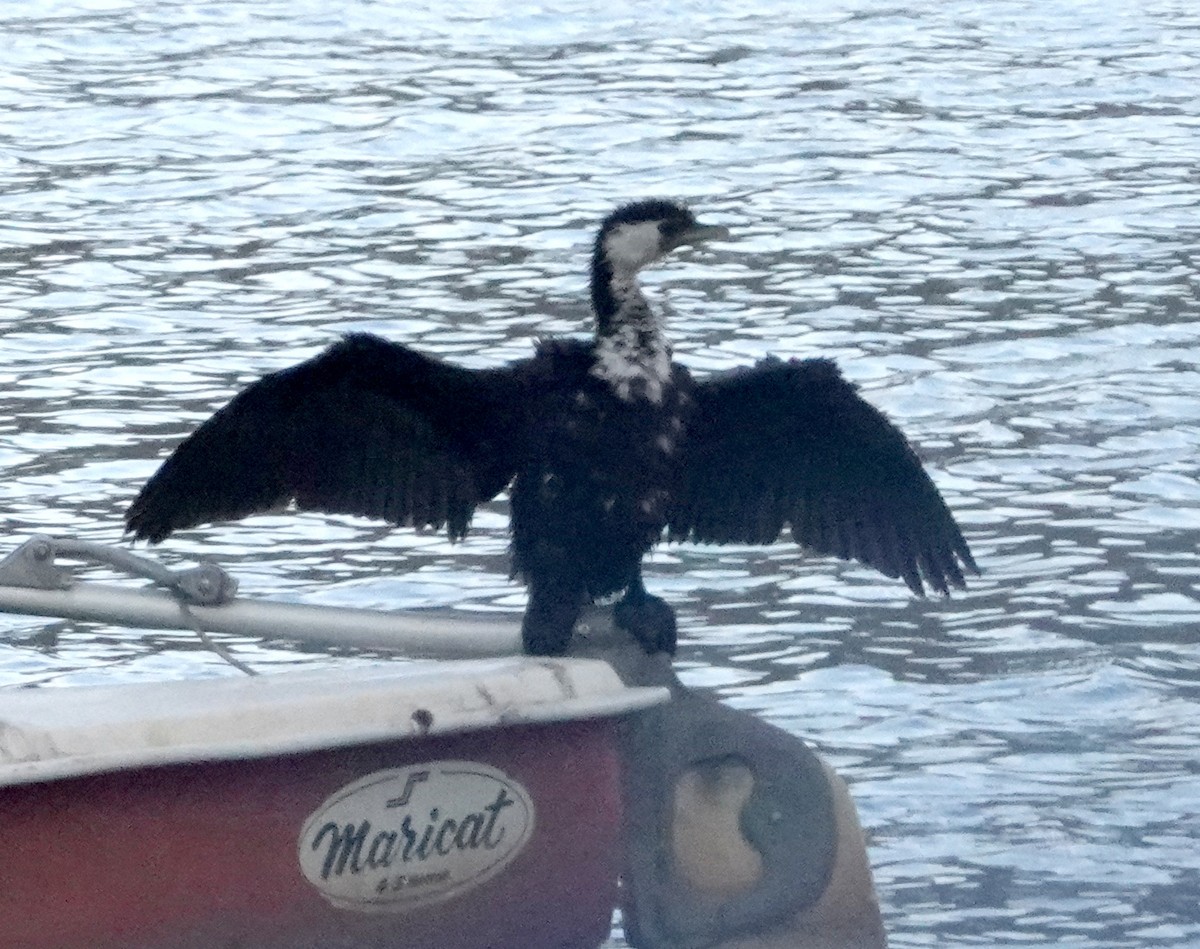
{"points": [[367, 427], [792, 443]]}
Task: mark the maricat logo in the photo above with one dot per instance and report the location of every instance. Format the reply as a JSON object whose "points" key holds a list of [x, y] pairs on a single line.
{"points": [[401, 838]]}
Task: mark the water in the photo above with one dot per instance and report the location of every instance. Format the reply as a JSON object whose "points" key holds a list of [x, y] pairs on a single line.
{"points": [[985, 212]]}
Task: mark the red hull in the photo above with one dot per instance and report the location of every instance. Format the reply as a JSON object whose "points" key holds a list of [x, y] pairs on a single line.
{"points": [[204, 855]]}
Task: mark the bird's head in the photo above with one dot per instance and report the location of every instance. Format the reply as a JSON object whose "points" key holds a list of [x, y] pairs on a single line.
{"points": [[638, 234]]}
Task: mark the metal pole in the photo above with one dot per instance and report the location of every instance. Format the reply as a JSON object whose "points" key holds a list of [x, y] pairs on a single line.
{"points": [[442, 634]]}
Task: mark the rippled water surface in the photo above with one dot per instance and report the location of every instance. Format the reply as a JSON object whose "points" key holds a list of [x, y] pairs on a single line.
{"points": [[985, 211]]}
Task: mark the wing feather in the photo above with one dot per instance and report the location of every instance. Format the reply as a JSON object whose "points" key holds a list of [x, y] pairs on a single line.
{"points": [[793, 443], [367, 427]]}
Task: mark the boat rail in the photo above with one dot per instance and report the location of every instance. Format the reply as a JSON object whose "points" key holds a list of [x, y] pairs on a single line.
{"points": [[33, 581]]}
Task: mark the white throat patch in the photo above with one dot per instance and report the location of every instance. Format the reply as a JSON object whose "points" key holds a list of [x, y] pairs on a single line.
{"points": [[629, 247]]}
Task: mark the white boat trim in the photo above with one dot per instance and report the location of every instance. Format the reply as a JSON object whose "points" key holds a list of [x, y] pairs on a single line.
{"points": [[52, 733]]}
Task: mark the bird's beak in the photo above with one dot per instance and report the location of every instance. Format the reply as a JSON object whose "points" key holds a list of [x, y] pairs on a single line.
{"points": [[700, 234]]}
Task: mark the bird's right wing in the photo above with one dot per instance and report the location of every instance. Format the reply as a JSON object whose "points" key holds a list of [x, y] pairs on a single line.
{"points": [[367, 427], [793, 443]]}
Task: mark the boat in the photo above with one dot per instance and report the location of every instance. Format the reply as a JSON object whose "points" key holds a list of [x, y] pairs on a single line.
{"points": [[477, 802]]}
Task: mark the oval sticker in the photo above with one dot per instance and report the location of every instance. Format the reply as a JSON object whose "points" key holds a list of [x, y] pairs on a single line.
{"points": [[402, 838]]}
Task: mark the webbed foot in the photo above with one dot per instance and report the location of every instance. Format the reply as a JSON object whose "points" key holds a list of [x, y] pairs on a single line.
{"points": [[649, 620]]}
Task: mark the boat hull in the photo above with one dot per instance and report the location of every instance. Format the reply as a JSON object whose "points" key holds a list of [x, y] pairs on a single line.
{"points": [[211, 855]]}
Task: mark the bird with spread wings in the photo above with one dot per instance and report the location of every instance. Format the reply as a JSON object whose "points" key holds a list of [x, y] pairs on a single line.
{"points": [[609, 447]]}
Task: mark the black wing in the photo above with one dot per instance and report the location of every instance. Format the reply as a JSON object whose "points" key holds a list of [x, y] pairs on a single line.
{"points": [[794, 443], [367, 427]]}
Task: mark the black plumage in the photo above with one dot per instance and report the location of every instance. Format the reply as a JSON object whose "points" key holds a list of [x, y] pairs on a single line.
{"points": [[607, 443]]}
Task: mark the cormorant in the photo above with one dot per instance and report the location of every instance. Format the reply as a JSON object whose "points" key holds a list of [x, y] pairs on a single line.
{"points": [[607, 444]]}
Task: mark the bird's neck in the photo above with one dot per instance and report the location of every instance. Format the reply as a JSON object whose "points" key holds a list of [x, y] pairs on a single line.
{"points": [[632, 354]]}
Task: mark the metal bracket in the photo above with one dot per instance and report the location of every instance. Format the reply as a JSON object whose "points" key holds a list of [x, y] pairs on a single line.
{"points": [[32, 565]]}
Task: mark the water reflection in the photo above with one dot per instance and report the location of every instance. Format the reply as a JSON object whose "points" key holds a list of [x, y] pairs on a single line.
{"points": [[986, 214]]}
